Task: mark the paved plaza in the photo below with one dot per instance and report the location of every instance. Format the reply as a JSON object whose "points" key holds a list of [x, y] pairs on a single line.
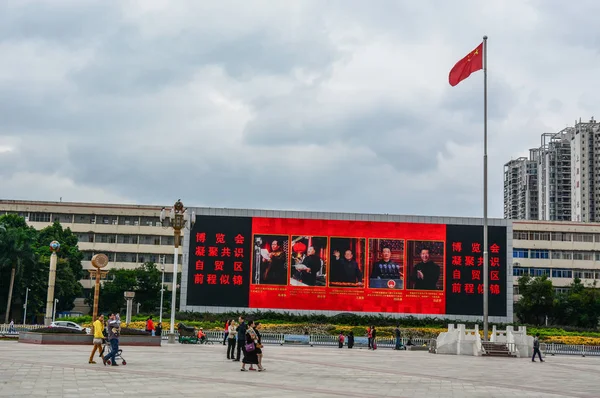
{"points": [[202, 371]]}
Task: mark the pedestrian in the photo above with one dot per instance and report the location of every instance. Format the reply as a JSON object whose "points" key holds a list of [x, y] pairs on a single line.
{"points": [[373, 338], [536, 348], [351, 339], [226, 331], [231, 334], [11, 327], [250, 354], [97, 328], [259, 347], [158, 329], [370, 337], [114, 327], [341, 340], [241, 337], [150, 325], [398, 338]]}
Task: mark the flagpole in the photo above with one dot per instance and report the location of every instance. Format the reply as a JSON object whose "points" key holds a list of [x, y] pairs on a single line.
{"points": [[485, 197]]}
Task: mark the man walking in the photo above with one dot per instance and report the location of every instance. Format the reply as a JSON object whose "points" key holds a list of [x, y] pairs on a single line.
{"points": [[97, 327], [114, 325], [397, 334], [536, 348], [241, 338]]}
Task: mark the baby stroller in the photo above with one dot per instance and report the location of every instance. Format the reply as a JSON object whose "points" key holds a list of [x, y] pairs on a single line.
{"points": [[107, 349]]}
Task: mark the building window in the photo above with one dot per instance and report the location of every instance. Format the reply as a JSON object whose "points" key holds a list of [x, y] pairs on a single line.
{"points": [[556, 254], [39, 217], [520, 253], [87, 256], [539, 253], [588, 238], [541, 272], [518, 271], [562, 273], [577, 255]]}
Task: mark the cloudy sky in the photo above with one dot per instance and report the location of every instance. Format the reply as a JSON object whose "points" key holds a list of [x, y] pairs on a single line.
{"points": [[332, 105]]}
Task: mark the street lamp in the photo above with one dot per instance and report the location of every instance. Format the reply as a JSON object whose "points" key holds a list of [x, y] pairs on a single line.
{"points": [[25, 305], [178, 219], [162, 287]]}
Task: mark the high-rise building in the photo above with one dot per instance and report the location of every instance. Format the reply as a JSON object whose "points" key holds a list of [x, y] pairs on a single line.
{"points": [[585, 171], [554, 176], [521, 188]]}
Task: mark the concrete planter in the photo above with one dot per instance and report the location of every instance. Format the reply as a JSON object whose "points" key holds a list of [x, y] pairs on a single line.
{"points": [[84, 339]]}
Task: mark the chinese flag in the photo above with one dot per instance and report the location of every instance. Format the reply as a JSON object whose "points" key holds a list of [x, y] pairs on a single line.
{"points": [[469, 64]]}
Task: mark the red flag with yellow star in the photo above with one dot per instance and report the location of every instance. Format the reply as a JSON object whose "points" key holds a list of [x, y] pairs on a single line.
{"points": [[469, 64]]}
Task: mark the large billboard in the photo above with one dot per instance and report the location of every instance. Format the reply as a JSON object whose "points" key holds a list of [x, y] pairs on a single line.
{"points": [[350, 266]]}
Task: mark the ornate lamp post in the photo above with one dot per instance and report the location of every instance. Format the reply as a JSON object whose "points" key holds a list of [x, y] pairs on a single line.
{"points": [[49, 317], [178, 219], [99, 261]]}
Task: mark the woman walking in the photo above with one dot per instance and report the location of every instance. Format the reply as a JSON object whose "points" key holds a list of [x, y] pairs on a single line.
{"points": [[259, 346], [373, 337], [231, 335], [249, 348], [226, 331]]}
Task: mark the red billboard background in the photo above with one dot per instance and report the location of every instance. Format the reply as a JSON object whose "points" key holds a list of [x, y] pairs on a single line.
{"points": [[361, 298]]}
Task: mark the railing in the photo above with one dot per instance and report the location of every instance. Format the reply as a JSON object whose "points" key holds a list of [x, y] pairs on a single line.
{"points": [[569, 349], [6, 330]]}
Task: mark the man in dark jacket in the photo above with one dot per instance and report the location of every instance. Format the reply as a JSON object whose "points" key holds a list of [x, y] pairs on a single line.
{"points": [[536, 348], [427, 273], [241, 338]]}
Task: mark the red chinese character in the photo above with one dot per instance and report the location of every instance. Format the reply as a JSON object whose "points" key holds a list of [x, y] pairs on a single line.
{"points": [[237, 266], [495, 261], [198, 279], [219, 265], [469, 288], [239, 252], [457, 247], [456, 260], [480, 261], [200, 251], [211, 279], [495, 289], [476, 275], [237, 280], [220, 238], [224, 279], [456, 288], [225, 252], [213, 251], [476, 247], [239, 239], [495, 248], [480, 288], [199, 265], [456, 274], [469, 261], [200, 237], [495, 275]]}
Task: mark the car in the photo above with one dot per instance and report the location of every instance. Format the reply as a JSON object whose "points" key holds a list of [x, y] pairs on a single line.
{"points": [[69, 325]]}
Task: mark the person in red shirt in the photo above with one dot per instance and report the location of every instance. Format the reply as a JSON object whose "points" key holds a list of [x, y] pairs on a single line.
{"points": [[150, 325], [201, 336]]}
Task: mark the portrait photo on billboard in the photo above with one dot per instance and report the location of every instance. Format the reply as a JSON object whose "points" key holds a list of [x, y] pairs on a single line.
{"points": [[270, 259], [386, 264], [308, 261], [347, 262], [425, 265]]}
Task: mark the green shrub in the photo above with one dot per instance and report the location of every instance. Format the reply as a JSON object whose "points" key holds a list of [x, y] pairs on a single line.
{"points": [[59, 330]]}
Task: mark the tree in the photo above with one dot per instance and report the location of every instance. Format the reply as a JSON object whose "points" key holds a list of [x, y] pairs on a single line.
{"points": [[537, 299], [15, 251], [579, 306], [147, 292]]}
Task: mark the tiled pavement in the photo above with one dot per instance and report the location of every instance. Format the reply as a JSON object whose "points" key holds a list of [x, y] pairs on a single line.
{"points": [[203, 371]]}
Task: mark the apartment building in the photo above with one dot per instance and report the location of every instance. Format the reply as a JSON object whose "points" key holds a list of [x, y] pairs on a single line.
{"points": [[129, 235], [521, 188], [585, 171], [562, 251], [554, 176]]}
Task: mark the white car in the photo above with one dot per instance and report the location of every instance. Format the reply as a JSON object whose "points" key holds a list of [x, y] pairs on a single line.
{"points": [[69, 325]]}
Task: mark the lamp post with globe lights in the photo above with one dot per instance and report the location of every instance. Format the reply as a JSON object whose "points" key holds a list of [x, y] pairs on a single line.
{"points": [[179, 219], [48, 317]]}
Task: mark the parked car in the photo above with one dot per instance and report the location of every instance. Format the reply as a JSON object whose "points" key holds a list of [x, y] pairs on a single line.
{"points": [[69, 325]]}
